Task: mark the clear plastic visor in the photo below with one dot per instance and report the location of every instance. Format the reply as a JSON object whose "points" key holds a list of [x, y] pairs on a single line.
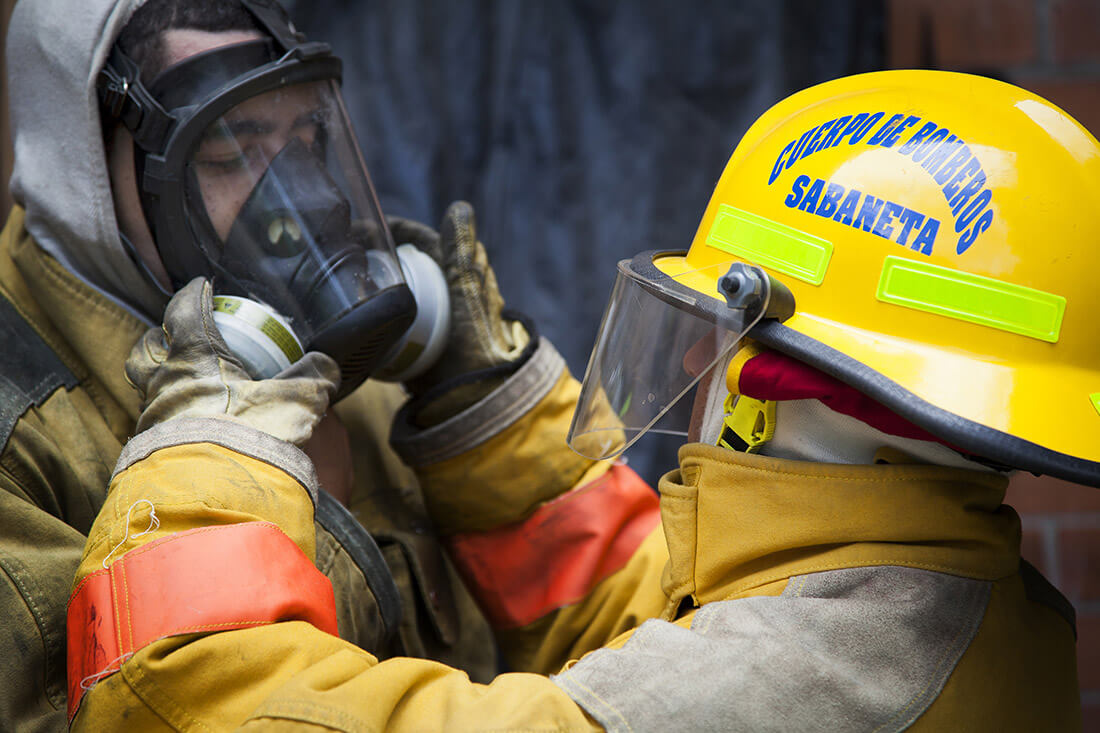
{"points": [[280, 197], [658, 339]]}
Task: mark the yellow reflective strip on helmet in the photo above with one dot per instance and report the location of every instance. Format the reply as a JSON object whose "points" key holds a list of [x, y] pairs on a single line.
{"points": [[974, 298], [1095, 397], [770, 244]]}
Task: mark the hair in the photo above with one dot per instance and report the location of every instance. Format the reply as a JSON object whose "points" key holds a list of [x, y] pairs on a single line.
{"points": [[142, 38]]}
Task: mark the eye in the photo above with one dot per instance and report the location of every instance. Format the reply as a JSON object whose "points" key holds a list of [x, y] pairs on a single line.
{"points": [[229, 160], [223, 165]]}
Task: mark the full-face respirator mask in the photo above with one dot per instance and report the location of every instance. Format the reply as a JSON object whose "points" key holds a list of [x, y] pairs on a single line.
{"points": [[250, 175]]}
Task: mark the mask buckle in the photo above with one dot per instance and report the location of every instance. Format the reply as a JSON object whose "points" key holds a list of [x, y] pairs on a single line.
{"points": [[125, 98]]}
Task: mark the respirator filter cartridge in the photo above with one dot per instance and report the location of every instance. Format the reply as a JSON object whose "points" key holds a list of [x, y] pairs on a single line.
{"points": [[265, 344], [259, 337]]}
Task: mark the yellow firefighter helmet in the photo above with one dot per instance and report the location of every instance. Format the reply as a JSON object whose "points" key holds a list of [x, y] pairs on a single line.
{"points": [[938, 233]]}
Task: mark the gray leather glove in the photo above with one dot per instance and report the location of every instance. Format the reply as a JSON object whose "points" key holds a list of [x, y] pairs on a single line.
{"points": [[186, 370], [484, 345]]}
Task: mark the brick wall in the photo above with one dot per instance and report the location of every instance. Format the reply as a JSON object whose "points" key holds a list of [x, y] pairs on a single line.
{"points": [[1051, 47]]}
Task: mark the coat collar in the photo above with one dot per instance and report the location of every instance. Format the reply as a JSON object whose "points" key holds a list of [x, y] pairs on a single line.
{"points": [[739, 524]]}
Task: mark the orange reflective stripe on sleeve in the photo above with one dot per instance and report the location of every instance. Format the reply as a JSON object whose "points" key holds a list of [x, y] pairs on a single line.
{"points": [[207, 579], [523, 571]]}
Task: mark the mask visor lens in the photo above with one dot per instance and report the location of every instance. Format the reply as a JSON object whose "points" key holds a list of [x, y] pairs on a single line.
{"points": [[281, 189], [656, 341]]}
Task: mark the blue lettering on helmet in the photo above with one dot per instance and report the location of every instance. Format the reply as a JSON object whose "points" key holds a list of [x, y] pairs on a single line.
{"points": [[885, 130], [809, 201], [970, 212], [862, 129], [798, 148], [895, 133], [951, 188], [854, 125], [887, 219], [980, 226], [830, 201], [948, 160], [882, 225], [959, 200], [927, 237], [838, 125], [811, 148], [929, 144], [918, 138], [940, 154], [778, 168], [846, 213], [796, 191], [948, 169], [908, 219], [867, 213]]}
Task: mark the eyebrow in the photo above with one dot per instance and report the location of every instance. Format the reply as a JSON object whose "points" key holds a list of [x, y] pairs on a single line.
{"points": [[243, 127], [237, 128]]}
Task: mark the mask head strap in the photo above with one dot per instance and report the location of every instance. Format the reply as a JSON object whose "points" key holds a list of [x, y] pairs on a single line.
{"points": [[123, 97]]}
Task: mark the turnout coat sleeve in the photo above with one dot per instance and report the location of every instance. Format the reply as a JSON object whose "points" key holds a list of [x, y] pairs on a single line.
{"points": [[208, 478]]}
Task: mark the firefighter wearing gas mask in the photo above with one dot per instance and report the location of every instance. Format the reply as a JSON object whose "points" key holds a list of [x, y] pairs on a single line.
{"points": [[872, 313], [159, 142]]}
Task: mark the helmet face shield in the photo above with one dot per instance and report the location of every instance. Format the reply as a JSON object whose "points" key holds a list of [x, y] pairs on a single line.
{"points": [[657, 340], [278, 198]]}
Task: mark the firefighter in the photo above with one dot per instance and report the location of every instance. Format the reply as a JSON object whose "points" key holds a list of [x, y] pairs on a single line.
{"points": [[885, 311]]}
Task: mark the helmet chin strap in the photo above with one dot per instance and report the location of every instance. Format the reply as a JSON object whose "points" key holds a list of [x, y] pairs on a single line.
{"points": [[807, 430], [711, 398]]}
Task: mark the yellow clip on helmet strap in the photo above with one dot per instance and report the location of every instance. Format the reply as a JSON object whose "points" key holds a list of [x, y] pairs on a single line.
{"points": [[748, 425]]}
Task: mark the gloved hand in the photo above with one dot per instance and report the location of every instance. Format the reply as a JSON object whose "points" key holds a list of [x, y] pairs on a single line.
{"points": [[484, 347], [186, 370]]}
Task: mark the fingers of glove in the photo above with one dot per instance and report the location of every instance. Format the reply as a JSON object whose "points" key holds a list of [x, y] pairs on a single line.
{"points": [[145, 358], [193, 337], [458, 237], [424, 238], [476, 298], [314, 367]]}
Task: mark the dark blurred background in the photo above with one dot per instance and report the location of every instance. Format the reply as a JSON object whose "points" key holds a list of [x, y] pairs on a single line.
{"points": [[582, 131], [585, 131]]}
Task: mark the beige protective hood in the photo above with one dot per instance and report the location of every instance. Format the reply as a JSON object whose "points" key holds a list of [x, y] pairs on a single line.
{"points": [[55, 49]]}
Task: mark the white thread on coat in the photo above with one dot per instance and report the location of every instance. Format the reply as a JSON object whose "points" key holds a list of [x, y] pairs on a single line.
{"points": [[91, 680], [154, 524]]}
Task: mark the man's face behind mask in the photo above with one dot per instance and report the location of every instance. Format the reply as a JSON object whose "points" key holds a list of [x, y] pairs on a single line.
{"points": [[235, 152]]}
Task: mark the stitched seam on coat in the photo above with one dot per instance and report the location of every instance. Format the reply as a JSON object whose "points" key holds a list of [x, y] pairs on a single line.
{"points": [[308, 711], [593, 697], [160, 702], [937, 677], [103, 539], [28, 595], [891, 480], [115, 606], [839, 565]]}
